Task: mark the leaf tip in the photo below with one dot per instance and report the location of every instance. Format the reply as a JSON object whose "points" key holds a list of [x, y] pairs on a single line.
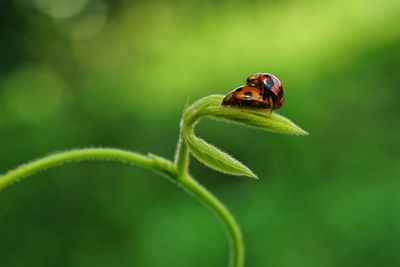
{"points": [[249, 173], [254, 176], [302, 132]]}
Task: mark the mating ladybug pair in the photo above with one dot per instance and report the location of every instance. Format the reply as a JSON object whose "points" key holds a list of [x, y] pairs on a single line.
{"points": [[262, 90]]}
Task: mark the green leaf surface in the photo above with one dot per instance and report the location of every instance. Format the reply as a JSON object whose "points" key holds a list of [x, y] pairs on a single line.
{"points": [[213, 157], [257, 118], [211, 106]]}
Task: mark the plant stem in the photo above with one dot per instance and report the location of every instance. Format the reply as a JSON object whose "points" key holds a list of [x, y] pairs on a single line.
{"points": [[201, 193], [75, 155], [166, 167], [182, 157], [206, 197], [153, 162]]}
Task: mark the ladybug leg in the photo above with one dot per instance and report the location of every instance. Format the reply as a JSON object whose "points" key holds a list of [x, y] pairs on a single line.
{"points": [[271, 102], [240, 106]]}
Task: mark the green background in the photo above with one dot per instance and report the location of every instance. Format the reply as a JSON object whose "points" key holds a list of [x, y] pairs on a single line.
{"points": [[89, 73]]}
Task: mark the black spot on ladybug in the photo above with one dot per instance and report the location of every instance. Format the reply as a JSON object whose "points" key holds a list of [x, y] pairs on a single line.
{"points": [[239, 89], [266, 94], [248, 94]]}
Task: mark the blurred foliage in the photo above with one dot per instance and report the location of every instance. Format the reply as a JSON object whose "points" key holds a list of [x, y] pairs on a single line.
{"points": [[76, 73]]}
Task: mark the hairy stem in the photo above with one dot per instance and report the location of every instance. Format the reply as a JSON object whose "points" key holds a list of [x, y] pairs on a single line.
{"points": [[209, 200], [182, 157], [235, 236], [109, 154], [177, 172]]}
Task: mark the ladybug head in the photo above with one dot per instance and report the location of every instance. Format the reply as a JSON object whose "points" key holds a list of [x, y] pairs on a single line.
{"points": [[254, 80]]}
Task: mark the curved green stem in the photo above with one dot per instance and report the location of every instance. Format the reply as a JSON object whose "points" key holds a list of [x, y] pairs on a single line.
{"points": [[109, 154], [206, 197], [190, 118], [177, 172], [235, 236]]}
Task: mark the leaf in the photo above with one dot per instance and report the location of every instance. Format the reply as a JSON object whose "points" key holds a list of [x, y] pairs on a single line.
{"points": [[266, 122], [213, 157], [251, 117]]}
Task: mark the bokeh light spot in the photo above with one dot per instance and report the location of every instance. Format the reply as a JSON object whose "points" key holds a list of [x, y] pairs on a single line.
{"points": [[87, 24], [60, 8], [33, 94]]}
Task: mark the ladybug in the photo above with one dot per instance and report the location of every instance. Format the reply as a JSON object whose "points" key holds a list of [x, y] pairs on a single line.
{"points": [[262, 90]]}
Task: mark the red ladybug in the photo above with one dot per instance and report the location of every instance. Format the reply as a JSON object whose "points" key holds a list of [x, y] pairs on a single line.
{"points": [[262, 90]]}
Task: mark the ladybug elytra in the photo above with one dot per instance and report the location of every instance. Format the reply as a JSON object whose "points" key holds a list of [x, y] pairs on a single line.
{"points": [[262, 90]]}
